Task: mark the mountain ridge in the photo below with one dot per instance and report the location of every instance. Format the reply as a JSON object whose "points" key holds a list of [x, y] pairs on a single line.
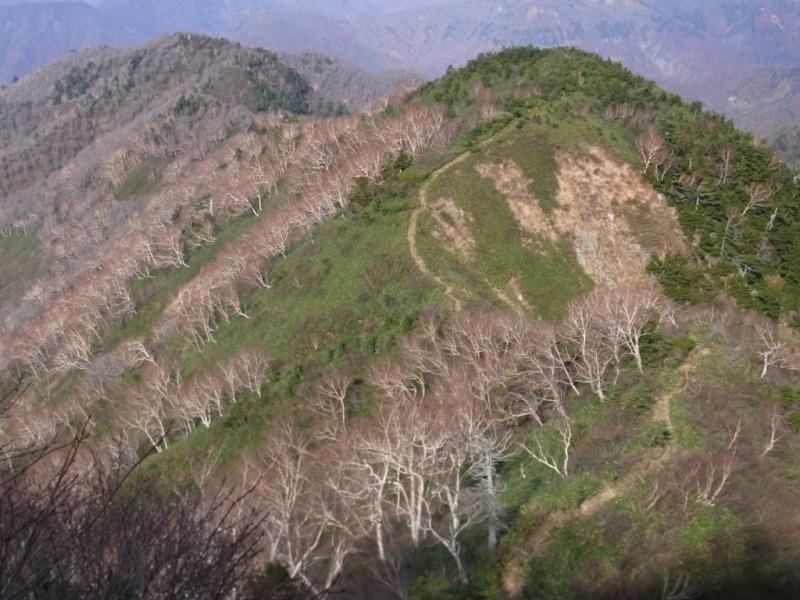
{"points": [[527, 331], [756, 37]]}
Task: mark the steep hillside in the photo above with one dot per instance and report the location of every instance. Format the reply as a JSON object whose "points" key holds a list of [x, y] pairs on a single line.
{"points": [[85, 140], [734, 199], [100, 90], [529, 331]]}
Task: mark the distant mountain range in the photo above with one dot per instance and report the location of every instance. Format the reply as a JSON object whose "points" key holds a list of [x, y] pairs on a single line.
{"points": [[740, 57]]}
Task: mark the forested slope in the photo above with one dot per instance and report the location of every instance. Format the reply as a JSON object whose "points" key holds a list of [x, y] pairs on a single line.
{"points": [[527, 332], [89, 139]]}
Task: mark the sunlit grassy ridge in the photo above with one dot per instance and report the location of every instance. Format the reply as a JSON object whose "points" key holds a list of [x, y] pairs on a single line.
{"points": [[570, 85]]}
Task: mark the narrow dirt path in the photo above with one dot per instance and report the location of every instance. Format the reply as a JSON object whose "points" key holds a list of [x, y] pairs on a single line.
{"points": [[413, 228], [515, 572]]}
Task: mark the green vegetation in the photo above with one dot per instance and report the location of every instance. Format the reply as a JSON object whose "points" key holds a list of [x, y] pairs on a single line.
{"points": [[505, 257], [20, 259], [341, 298], [141, 180], [351, 288], [287, 91], [625, 543], [190, 105], [752, 253], [527, 77], [751, 248], [548, 274], [680, 280], [266, 97], [579, 545], [76, 83]]}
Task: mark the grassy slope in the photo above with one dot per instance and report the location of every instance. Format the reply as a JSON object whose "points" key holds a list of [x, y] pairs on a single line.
{"points": [[548, 273], [349, 292], [758, 264], [141, 181], [20, 258], [549, 277], [340, 298]]}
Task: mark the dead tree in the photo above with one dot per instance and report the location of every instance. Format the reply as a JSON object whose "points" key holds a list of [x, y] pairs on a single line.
{"points": [[759, 195], [775, 433], [459, 508], [556, 460], [652, 149], [330, 403], [726, 154], [773, 352], [488, 451]]}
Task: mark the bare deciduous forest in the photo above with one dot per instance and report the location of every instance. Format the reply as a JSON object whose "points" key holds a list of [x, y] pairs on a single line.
{"points": [[267, 339]]}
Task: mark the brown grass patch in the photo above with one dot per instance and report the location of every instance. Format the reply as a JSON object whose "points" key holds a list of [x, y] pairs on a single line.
{"points": [[451, 227], [615, 220]]}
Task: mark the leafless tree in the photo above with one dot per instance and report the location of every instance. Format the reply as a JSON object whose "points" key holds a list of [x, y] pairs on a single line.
{"points": [[678, 588], [137, 353], [482, 96], [775, 433], [408, 448], [329, 402], [148, 416], [714, 477], [773, 350], [488, 451], [596, 345], [714, 470], [309, 529], [252, 365], [630, 310], [652, 149], [759, 195], [394, 382], [556, 460], [461, 509], [65, 527], [375, 472], [727, 154]]}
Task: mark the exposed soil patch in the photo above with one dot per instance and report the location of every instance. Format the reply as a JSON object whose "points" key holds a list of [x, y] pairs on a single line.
{"points": [[451, 227], [613, 217], [425, 205]]}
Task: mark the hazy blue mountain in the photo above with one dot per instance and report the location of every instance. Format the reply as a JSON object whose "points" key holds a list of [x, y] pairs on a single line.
{"points": [[738, 56], [33, 34]]}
